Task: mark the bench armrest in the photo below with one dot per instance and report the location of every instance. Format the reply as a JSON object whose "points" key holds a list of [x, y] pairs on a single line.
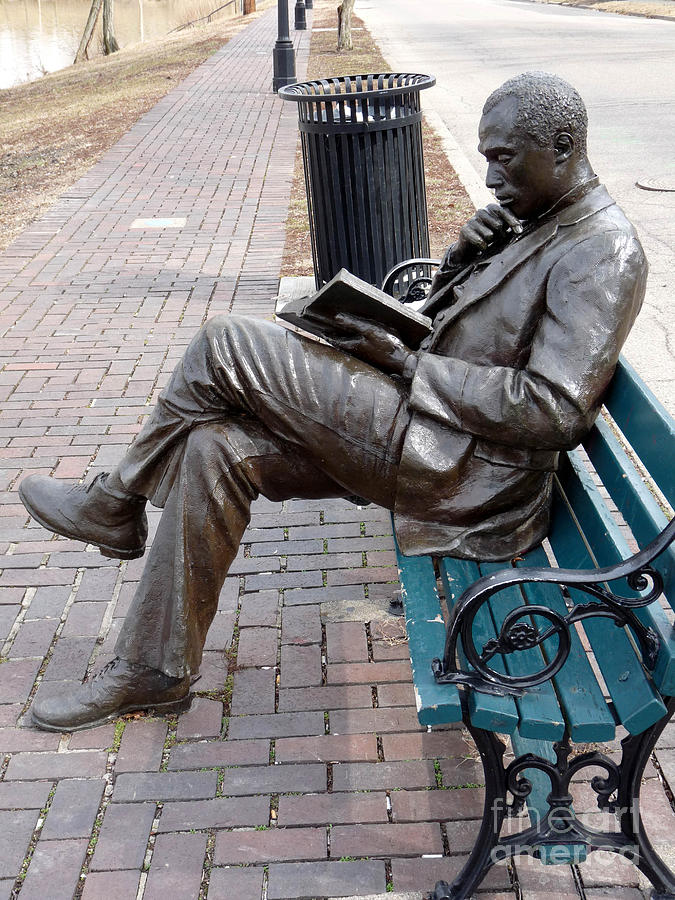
{"points": [[409, 281], [518, 632]]}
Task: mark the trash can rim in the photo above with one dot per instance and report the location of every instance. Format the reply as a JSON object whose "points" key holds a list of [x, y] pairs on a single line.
{"points": [[295, 92]]}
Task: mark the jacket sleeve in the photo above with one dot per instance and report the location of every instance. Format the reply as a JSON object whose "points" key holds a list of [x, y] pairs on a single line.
{"points": [[593, 295]]}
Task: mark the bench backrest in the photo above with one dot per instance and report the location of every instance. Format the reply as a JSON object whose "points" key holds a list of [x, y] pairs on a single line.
{"points": [[633, 454], [629, 447]]}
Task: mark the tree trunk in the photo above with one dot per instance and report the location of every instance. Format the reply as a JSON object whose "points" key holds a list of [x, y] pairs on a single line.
{"points": [[110, 44], [249, 7], [81, 54], [344, 13]]}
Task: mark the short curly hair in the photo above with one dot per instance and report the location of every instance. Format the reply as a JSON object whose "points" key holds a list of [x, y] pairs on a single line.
{"points": [[547, 105]]}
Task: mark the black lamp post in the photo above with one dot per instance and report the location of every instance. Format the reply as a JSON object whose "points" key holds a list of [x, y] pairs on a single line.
{"points": [[300, 17], [309, 4], [283, 54]]}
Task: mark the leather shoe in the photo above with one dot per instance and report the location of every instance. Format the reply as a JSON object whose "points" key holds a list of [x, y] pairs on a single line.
{"points": [[120, 687], [93, 512]]}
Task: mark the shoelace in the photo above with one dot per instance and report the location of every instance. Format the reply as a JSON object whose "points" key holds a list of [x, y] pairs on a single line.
{"points": [[94, 481], [108, 667]]}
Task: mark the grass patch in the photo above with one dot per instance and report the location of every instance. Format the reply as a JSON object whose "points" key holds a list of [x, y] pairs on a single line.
{"points": [[54, 129], [648, 8]]}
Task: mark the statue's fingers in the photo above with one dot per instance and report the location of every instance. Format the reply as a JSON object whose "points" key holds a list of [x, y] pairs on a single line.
{"points": [[477, 234], [491, 217], [347, 320], [329, 322], [510, 219]]}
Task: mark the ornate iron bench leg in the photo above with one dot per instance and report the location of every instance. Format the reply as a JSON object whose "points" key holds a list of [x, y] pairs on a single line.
{"points": [[482, 858], [621, 780], [636, 752]]}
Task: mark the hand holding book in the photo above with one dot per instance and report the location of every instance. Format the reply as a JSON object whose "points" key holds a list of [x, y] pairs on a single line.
{"points": [[347, 294], [366, 340]]}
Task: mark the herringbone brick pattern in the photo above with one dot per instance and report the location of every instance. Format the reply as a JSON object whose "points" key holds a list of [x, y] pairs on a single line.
{"points": [[300, 770]]}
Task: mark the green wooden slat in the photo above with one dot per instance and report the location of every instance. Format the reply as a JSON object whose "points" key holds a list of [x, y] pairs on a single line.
{"points": [[636, 701], [646, 520], [581, 697], [436, 703], [633, 498], [557, 854], [646, 425], [540, 715], [609, 547], [487, 711]]}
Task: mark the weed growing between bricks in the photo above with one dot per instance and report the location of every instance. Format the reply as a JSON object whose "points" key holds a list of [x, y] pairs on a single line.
{"points": [[98, 822], [208, 864], [169, 742], [388, 876]]}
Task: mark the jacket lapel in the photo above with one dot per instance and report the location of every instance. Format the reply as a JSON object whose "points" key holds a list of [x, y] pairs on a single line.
{"points": [[483, 281]]}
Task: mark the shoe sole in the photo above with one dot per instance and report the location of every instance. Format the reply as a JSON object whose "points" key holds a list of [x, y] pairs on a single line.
{"points": [[172, 706], [109, 552]]}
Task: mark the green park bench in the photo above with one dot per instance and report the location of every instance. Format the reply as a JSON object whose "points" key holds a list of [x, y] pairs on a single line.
{"points": [[504, 648]]}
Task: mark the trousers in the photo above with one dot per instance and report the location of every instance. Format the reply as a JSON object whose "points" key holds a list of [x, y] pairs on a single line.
{"points": [[250, 409]]}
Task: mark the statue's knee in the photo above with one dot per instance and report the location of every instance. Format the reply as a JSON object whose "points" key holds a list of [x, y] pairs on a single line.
{"points": [[220, 331], [214, 327], [219, 452]]}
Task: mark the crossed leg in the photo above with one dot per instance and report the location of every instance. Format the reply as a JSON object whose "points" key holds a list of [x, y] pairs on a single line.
{"points": [[251, 409], [223, 468]]}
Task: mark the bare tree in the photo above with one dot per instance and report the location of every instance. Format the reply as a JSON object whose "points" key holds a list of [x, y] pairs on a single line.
{"points": [[81, 54], [110, 44], [344, 13]]}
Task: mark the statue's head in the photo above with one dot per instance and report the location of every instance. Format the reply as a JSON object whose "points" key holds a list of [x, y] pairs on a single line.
{"points": [[533, 135]]}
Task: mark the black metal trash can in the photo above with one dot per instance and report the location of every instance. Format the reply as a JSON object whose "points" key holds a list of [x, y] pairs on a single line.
{"points": [[364, 171]]}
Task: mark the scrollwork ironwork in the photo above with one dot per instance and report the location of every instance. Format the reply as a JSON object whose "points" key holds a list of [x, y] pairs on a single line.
{"points": [[516, 635], [617, 789], [417, 291], [560, 820]]}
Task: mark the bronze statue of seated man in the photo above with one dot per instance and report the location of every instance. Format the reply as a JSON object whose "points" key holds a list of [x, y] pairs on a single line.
{"points": [[530, 309]]}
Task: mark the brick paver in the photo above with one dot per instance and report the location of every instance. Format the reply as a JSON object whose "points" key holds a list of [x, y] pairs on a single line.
{"points": [[300, 770]]}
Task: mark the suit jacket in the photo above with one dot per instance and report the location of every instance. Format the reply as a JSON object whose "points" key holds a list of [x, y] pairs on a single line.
{"points": [[525, 342]]}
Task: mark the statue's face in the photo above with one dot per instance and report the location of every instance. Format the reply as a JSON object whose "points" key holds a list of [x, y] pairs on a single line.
{"points": [[525, 176]]}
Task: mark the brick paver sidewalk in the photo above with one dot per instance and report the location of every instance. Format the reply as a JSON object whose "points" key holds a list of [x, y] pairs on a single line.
{"points": [[300, 770]]}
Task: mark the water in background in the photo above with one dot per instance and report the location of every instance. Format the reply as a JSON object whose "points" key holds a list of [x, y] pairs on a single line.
{"points": [[40, 36]]}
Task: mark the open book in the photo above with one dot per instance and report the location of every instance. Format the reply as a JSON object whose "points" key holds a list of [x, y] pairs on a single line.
{"points": [[347, 293]]}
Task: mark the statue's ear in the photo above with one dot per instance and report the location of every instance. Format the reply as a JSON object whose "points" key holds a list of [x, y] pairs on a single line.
{"points": [[563, 146]]}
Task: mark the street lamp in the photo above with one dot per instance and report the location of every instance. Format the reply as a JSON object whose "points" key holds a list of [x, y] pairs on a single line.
{"points": [[300, 17], [283, 54]]}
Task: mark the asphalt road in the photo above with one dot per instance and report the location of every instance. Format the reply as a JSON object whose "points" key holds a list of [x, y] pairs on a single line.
{"points": [[623, 66]]}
